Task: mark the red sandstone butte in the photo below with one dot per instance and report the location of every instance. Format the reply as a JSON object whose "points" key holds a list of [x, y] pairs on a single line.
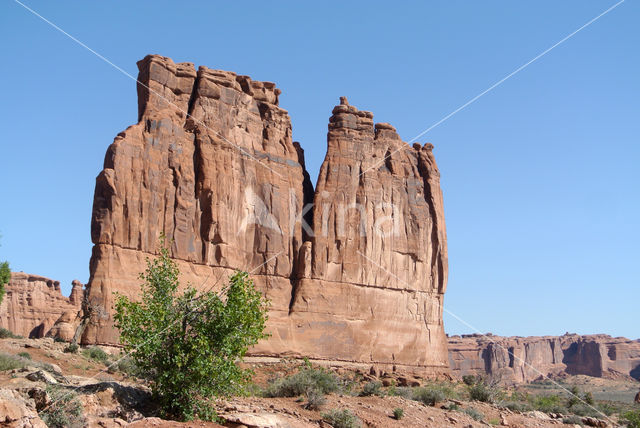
{"points": [[212, 165], [34, 306]]}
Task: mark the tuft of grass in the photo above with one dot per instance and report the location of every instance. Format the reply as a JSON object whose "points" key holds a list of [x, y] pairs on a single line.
{"points": [[302, 382], [96, 354], [398, 413], [372, 388], [341, 419], [64, 411], [25, 355]]}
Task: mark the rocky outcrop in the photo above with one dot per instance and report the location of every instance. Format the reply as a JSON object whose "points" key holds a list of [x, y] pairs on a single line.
{"points": [[35, 307], [524, 359], [355, 269]]}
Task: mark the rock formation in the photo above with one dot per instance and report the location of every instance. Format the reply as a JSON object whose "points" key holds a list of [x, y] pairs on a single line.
{"points": [[524, 359], [357, 276], [35, 307]]}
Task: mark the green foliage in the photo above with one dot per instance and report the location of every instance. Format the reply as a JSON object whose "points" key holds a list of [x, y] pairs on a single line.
{"points": [[475, 414], [372, 388], [341, 419], [25, 355], [574, 396], [517, 406], [7, 334], [96, 354], [480, 391], [125, 365], [631, 418], [72, 348], [572, 420], [5, 276], [588, 398], [189, 345], [300, 383], [315, 399], [404, 392], [552, 403], [469, 380], [428, 395], [398, 413], [583, 410], [64, 411], [10, 362]]}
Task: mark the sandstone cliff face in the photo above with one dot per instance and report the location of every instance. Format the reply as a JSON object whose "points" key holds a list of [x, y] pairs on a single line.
{"points": [[524, 359], [35, 307], [357, 276]]}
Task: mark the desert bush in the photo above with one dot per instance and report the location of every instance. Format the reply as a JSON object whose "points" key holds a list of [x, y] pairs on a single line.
{"points": [[574, 396], [125, 365], [588, 398], [65, 410], [404, 392], [189, 345], [8, 334], [481, 391], [469, 380], [549, 404], [517, 406], [572, 420], [315, 399], [72, 348], [303, 381], [25, 355], [631, 418], [341, 419], [451, 407], [372, 388], [96, 354], [475, 414], [428, 395], [398, 413], [10, 362]]}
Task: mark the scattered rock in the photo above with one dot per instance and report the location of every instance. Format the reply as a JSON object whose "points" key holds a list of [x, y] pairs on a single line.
{"points": [[42, 376]]}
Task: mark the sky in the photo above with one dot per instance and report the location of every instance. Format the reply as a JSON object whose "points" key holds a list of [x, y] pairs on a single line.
{"points": [[540, 174]]}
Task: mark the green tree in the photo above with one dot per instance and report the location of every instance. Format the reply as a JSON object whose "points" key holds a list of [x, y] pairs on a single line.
{"points": [[188, 344], [5, 276]]}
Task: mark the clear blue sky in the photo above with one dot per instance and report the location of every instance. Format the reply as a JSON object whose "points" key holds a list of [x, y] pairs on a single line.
{"points": [[540, 176]]}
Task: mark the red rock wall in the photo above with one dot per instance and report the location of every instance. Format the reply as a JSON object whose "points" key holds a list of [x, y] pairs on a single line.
{"points": [[34, 306], [228, 185], [524, 359]]}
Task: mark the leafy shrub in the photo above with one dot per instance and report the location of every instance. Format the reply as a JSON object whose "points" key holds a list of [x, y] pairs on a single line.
{"points": [[549, 404], [588, 398], [428, 396], [341, 419], [5, 276], [64, 411], [189, 345], [404, 392], [480, 391], [631, 418], [475, 414], [574, 396], [7, 334], [398, 413], [96, 354], [516, 406], [469, 380], [302, 382], [572, 420], [72, 348], [10, 362], [315, 399], [25, 355], [372, 388], [452, 406]]}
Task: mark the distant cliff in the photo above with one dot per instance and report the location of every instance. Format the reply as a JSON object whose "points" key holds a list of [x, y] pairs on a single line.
{"points": [[35, 307], [524, 359]]}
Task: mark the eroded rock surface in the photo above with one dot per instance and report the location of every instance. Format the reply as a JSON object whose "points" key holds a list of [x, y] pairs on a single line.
{"points": [[358, 276], [524, 359], [35, 307]]}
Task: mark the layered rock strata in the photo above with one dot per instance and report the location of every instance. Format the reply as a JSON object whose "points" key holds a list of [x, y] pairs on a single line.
{"points": [[34, 306], [524, 359], [355, 270]]}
